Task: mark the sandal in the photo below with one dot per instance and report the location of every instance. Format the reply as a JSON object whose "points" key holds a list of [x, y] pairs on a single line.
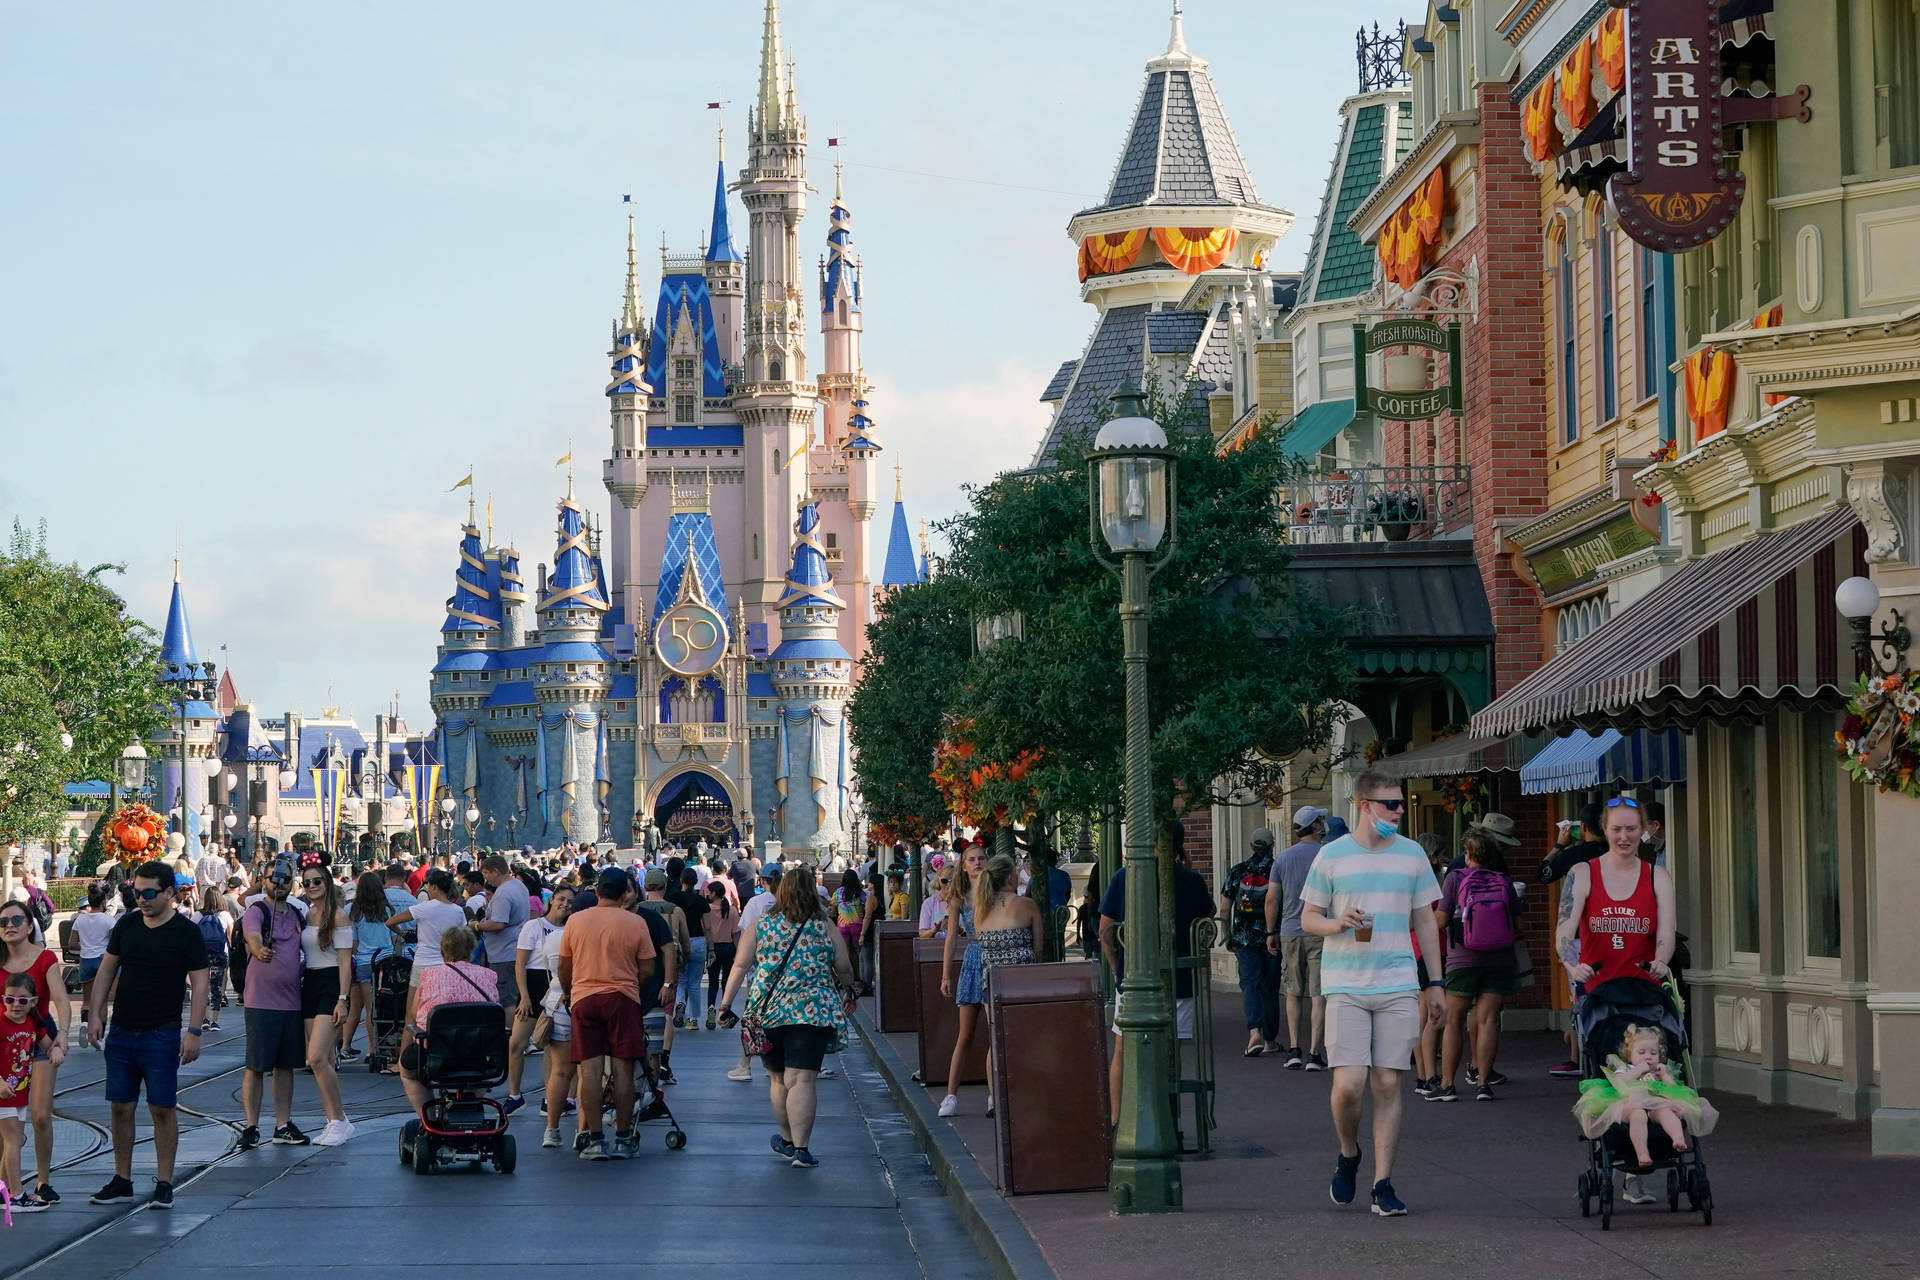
{"points": [[1253, 1051]]}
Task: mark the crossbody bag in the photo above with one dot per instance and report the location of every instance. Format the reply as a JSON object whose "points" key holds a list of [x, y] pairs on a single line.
{"points": [[753, 1029]]}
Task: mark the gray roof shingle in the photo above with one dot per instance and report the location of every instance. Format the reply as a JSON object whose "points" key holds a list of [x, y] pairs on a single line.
{"points": [[1062, 377], [1174, 332], [1116, 353], [1181, 150], [1339, 265]]}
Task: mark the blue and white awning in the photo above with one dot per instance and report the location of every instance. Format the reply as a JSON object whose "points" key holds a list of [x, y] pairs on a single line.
{"points": [[1581, 760]]}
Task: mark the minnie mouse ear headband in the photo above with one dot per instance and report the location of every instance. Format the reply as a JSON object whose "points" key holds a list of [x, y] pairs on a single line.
{"points": [[311, 858]]}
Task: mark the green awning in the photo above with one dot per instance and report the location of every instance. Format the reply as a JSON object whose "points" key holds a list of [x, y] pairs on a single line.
{"points": [[1313, 427]]}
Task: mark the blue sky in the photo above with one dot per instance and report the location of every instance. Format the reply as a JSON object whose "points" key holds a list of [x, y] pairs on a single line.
{"points": [[276, 274]]}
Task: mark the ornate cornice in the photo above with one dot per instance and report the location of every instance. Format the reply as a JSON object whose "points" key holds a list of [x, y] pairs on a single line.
{"points": [[1856, 351], [1566, 520], [1553, 57], [1448, 134]]}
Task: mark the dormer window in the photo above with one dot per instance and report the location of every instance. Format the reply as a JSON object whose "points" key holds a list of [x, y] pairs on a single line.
{"points": [[572, 667]]}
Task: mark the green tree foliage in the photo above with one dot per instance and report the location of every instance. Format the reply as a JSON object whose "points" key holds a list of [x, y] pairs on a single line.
{"points": [[1240, 673], [71, 660], [917, 655]]}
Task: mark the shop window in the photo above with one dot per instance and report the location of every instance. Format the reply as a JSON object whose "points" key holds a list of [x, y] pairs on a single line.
{"points": [[1743, 830], [1603, 303], [1820, 814], [1895, 105]]}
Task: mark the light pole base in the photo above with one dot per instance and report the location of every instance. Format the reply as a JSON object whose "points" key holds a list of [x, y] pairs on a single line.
{"points": [[1145, 1186]]}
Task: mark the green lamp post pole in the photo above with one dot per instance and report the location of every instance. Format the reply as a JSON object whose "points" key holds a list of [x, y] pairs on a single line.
{"points": [[1129, 506]]}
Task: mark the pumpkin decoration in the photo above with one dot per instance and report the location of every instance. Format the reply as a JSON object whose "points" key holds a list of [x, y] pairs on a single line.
{"points": [[134, 833]]}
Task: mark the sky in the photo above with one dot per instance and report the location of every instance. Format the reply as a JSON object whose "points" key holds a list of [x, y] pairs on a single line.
{"points": [[276, 275]]}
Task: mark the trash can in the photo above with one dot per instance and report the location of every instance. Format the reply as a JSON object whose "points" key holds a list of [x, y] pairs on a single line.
{"points": [[940, 1021], [1049, 1077], [895, 1005]]}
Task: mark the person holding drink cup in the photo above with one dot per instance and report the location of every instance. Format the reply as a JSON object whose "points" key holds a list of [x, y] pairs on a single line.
{"points": [[1367, 894]]}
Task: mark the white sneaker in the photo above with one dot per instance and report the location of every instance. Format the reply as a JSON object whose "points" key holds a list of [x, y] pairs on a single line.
{"points": [[949, 1105], [552, 1139], [336, 1133], [742, 1074]]}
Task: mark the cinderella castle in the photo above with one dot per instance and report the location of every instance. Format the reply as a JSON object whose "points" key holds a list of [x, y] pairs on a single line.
{"points": [[684, 661]]}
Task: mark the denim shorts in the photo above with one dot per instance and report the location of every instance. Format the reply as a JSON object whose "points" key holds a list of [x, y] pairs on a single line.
{"points": [[143, 1057], [90, 967], [362, 971]]}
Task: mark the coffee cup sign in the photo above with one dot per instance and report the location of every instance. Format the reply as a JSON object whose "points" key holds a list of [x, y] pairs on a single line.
{"points": [[1677, 192]]}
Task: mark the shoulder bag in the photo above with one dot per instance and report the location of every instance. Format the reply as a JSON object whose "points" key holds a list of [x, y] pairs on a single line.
{"points": [[753, 1030]]}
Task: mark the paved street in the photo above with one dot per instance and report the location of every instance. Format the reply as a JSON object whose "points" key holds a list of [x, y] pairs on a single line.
{"points": [[719, 1205], [1490, 1186]]}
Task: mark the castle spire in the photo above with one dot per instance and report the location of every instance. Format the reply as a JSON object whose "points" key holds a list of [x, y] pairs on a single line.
{"points": [[473, 603], [176, 645], [630, 309], [773, 87], [899, 570], [720, 247]]}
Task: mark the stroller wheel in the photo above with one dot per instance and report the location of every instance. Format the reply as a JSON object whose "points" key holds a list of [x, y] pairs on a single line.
{"points": [[1586, 1196], [1673, 1190], [1606, 1202], [503, 1157], [676, 1139]]}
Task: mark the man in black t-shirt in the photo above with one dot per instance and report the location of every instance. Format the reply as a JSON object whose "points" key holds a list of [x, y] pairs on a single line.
{"points": [[693, 968], [157, 953]]}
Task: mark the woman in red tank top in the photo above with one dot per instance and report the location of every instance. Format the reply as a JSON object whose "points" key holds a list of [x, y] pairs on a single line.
{"points": [[1629, 934]]}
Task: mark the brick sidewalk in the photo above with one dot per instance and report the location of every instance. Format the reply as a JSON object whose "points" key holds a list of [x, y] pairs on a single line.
{"points": [[1490, 1187]]}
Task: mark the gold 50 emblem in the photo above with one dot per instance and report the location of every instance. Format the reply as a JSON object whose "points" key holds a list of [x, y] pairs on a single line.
{"points": [[690, 638]]}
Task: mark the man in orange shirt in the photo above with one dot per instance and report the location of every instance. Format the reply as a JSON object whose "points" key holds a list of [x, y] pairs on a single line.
{"points": [[606, 956]]}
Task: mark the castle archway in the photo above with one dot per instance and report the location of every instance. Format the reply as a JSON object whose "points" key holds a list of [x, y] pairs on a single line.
{"points": [[695, 804]]}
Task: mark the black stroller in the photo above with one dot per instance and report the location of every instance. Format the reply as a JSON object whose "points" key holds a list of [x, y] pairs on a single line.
{"points": [[391, 974], [465, 1055], [1600, 1022]]}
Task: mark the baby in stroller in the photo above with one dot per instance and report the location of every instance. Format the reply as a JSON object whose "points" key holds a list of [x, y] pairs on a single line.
{"points": [[1637, 1083]]}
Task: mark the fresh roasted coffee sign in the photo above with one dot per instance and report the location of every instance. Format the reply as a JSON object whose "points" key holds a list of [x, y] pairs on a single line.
{"points": [[1677, 191]]}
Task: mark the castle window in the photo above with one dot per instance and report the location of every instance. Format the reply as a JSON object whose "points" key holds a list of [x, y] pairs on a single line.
{"points": [[572, 667], [485, 676], [492, 714], [775, 373], [455, 677], [683, 369], [683, 408], [833, 540]]}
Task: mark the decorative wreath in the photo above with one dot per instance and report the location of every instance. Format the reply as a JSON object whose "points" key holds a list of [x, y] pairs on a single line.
{"points": [[135, 834], [1879, 741]]}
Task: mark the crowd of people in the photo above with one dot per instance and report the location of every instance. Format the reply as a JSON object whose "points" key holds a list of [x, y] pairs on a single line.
{"points": [[596, 965]]}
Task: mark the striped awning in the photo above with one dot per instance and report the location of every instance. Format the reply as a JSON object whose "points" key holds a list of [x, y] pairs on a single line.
{"points": [[1724, 638], [1580, 760], [1598, 152], [1462, 753], [1742, 21]]}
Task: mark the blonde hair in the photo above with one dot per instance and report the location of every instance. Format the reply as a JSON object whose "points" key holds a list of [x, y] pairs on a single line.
{"points": [[1637, 1032], [457, 943], [994, 877]]}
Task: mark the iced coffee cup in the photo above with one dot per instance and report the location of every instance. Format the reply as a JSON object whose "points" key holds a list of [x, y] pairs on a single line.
{"points": [[1364, 931]]}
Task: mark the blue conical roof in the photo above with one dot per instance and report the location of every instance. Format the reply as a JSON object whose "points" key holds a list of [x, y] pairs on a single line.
{"points": [[900, 569], [574, 582], [860, 437], [176, 646], [840, 278], [473, 603], [808, 581], [720, 241]]}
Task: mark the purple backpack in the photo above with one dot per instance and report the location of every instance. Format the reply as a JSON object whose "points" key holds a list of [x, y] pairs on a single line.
{"points": [[1485, 911]]}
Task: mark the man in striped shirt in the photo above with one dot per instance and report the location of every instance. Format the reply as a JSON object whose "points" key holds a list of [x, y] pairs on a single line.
{"points": [[1367, 894]]}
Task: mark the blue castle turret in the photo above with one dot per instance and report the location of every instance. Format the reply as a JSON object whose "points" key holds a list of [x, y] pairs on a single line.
{"points": [[572, 675], [183, 779], [812, 675]]}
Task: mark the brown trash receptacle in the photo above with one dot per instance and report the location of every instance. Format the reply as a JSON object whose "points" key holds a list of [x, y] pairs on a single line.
{"points": [[940, 1021], [1049, 1077], [895, 1004]]}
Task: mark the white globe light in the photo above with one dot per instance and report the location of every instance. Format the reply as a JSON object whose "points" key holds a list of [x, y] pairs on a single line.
{"points": [[229, 822], [176, 841], [473, 815], [212, 766], [286, 779], [446, 804], [1856, 598]]}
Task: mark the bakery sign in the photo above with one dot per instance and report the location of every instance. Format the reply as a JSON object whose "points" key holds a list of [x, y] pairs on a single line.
{"points": [[1677, 191], [1575, 561]]}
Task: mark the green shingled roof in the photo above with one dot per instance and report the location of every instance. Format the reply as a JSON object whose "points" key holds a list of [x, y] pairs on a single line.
{"points": [[1340, 265]]}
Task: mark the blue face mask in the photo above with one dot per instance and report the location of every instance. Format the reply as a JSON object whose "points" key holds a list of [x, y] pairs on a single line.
{"points": [[1386, 828]]}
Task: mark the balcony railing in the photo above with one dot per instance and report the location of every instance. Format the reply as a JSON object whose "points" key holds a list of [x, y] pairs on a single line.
{"points": [[1379, 504]]}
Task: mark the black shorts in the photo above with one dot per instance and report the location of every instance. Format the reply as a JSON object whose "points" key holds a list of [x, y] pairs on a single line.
{"points": [[275, 1040], [537, 982], [319, 991], [801, 1047]]}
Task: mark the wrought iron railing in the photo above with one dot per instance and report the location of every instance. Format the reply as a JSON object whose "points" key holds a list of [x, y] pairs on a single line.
{"points": [[1378, 504]]}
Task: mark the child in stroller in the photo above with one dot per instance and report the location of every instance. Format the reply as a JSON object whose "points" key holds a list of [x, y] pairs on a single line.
{"points": [[1635, 1065]]}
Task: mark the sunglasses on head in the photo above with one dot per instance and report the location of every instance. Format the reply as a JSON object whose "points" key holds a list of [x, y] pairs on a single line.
{"points": [[147, 895], [20, 1002], [1628, 801]]}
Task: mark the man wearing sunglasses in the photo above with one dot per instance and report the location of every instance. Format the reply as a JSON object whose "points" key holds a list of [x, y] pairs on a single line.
{"points": [[157, 954], [1367, 894]]}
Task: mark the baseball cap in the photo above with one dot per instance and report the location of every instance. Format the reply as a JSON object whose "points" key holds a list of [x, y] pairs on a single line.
{"points": [[771, 871], [1307, 814], [656, 879], [1262, 837], [613, 882]]}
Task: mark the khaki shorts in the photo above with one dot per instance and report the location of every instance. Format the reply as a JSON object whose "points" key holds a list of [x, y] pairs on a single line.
{"points": [[1300, 965], [1182, 1020], [1372, 1030]]}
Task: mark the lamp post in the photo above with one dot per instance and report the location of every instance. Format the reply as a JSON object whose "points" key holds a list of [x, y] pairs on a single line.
{"points": [[1130, 508], [1857, 599], [447, 807]]}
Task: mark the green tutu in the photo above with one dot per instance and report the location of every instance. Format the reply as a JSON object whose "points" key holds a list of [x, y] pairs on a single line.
{"points": [[1614, 1096]]}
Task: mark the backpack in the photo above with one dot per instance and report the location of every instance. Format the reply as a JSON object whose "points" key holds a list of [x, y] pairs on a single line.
{"points": [[1485, 911], [41, 906], [214, 938], [1249, 918], [237, 954]]}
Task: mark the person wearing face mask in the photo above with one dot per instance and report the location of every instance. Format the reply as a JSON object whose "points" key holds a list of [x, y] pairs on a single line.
{"points": [[1368, 894]]}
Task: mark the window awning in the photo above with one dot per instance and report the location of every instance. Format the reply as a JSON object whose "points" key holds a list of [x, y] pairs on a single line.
{"points": [[1462, 753], [1314, 427], [1725, 637], [1581, 760]]}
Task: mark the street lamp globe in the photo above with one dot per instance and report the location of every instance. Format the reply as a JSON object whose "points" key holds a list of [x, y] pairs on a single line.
{"points": [[211, 767], [229, 822], [1130, 456], [133, 767], [472, 814], [175, 841], [446, 805], [1856, 598]]}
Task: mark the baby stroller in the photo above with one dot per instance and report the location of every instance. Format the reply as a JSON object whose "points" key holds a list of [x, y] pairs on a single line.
{"points": [[391, 974], [465, 1055], [1600, 1022]]}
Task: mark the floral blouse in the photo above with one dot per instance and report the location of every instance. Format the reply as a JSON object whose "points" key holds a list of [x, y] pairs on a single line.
{"points": [[806, 994]]}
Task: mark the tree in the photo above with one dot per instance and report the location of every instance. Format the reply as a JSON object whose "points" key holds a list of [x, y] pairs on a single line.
{"points": [[71, 661], [917, 652]]}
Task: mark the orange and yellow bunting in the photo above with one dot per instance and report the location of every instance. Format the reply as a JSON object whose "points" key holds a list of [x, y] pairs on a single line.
{"points": [[1195, 249], [1537, 121], [1611, 47], [1115, 251], [1709, 377], [1772, 318], [1411, 234], [1576, 86]]}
